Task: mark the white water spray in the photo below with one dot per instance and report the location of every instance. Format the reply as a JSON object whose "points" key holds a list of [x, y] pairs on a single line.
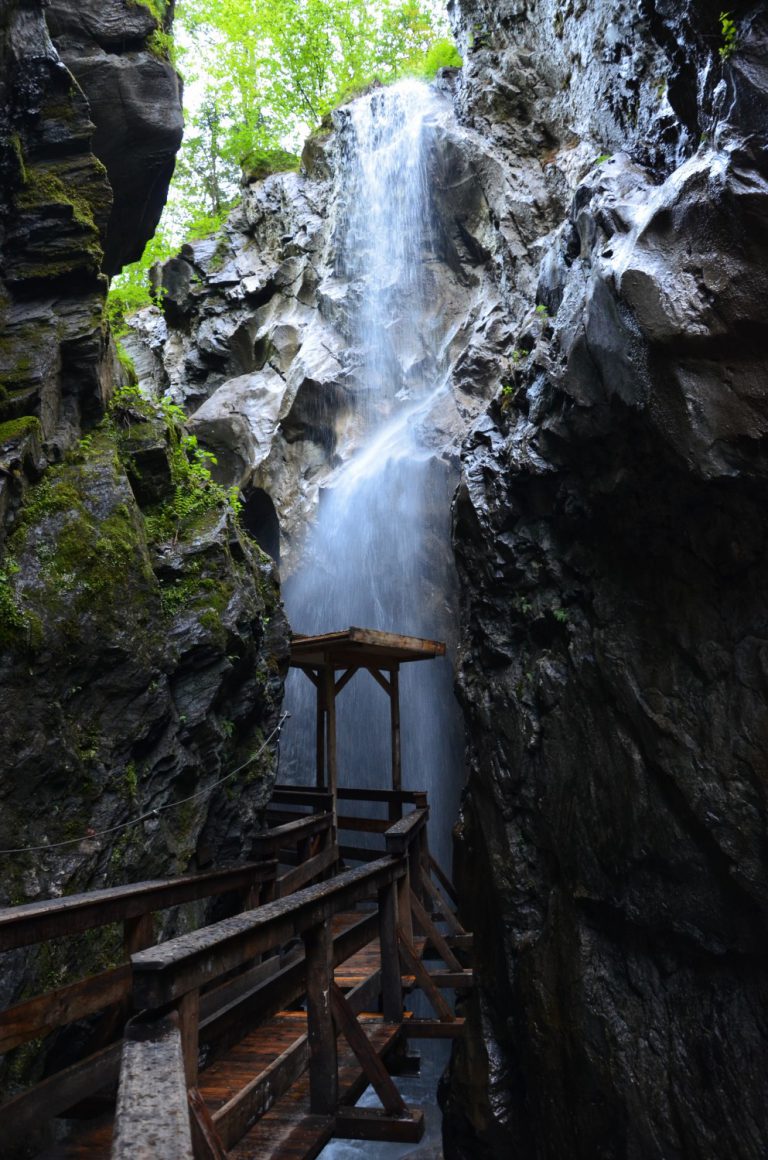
{"points": [[379, 555]]}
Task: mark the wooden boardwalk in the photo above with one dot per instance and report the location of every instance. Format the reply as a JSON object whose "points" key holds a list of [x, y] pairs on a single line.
{"points": [[257, 1035]]}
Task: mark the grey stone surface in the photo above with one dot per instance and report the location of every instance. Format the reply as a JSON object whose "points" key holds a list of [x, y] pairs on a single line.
{"points": [[610, 534]]}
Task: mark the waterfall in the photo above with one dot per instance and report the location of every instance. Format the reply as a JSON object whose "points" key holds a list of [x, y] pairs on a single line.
{"points": [[379, 554]]}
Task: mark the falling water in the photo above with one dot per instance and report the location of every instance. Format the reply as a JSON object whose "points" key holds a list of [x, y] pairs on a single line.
{"points": [[378, 556]]}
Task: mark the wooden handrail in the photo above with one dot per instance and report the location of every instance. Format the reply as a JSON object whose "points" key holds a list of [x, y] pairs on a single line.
{"points": [[164, 973], [291, 832], [36, 922]]}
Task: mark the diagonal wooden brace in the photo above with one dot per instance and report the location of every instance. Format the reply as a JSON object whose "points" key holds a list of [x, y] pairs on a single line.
{"points": [[433, 934], [376, 1072], [413, 963]]}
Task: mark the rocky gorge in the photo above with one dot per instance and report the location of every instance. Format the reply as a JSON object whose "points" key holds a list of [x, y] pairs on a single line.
{"points": [[597, 266]]}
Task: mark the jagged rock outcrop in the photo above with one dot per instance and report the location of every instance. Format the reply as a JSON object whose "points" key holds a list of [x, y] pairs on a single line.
{"points": [[610, 535], [256, 335], [142, 640]]}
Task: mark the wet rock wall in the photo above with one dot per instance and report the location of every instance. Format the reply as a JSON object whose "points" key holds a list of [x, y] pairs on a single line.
{"points": [[610, 535]]}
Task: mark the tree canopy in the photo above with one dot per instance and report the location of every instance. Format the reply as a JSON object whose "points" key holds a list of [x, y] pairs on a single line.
{"points": [[259, 76]]}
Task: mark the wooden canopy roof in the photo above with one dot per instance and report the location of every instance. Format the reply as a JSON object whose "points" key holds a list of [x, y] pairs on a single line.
{"points": [[361, 647]]}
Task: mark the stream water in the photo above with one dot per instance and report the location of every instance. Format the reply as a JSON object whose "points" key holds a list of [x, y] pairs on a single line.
{"points": [[378, 556]]}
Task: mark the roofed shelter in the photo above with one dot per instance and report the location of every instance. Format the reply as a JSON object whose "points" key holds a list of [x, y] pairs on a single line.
{"points": [[347, 652]]}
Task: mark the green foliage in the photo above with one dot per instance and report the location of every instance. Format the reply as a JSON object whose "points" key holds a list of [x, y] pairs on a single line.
{"points": [[162, 45], [560, 615], [729, 36], [542, 310], [271, 69], [195, 492], [17, 428], [130, 290], [601, 158], [442, 54]]}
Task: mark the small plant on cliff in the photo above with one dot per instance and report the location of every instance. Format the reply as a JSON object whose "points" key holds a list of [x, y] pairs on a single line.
{"points": [[729, 36]]}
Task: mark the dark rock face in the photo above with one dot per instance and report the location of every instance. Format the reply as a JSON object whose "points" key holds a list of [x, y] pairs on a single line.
{"points": [[611, 538], [142, 640], [117, 54]]}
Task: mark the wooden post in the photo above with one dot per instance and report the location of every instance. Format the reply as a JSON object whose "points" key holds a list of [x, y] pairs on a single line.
{"points": [[138, 933], [320, 734], [391, 985], [396, 810], [404, 916], [189, 1015], [329, 690], [323, 1067]]}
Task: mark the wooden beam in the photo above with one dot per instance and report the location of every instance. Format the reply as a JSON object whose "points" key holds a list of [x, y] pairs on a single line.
{"points": [[344, 680], [363, 825], [372, 1124], [270, 841], [444, 880], [369, 1060], [433, 934], [433, 1029], [206, 1143], [445, 911], [415, 966], [380, 679], [323, 1066]]}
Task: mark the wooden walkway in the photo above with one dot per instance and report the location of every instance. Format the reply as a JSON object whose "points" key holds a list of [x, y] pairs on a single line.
{"points": [[254, 1036]]}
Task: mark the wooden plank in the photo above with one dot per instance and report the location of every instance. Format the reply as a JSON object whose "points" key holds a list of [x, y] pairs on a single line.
{"points": [[369, 1060], [54, 918], [152, 1118], [461, 942], [453, 980], [165, 972], [435, 938], [206, 1143], [372, 1124], [59, 1092], [414, 965], [295, 879], [323, 1067], [37, 1017], [433, 1029], [235, 1117]]}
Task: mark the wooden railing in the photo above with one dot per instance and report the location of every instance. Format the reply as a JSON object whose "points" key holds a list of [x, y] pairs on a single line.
{"points": [[108, 993], [198, 993], [168, 981]]}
